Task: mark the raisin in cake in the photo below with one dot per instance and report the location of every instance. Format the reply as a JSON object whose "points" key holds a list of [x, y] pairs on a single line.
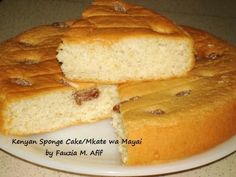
{"points": [[181, 117], [116, 42], [34, 95]]}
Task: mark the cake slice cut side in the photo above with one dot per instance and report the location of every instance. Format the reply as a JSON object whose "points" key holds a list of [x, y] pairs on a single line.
{"points": [[55, 108], [35, 97], [112, 46]]}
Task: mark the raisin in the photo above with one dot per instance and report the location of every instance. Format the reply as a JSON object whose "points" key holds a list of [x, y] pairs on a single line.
{"points": [[116, 108], [86, 95], [119, 7], [157, 112], [21, 82], [213, 56], [60, 25], [134, 98], [183, 93], [25, 44]]}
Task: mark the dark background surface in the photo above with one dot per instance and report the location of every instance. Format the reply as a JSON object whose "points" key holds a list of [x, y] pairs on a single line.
{"points": [[215, 16]]}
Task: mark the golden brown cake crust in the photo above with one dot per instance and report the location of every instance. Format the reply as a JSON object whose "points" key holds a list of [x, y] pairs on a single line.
{"points": [[107, 23], [181, 117], [28, 61], [28, 66], [112, 20]]}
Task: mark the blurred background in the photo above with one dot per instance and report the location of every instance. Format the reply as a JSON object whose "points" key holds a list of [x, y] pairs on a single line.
{"points": [[215, 16]]}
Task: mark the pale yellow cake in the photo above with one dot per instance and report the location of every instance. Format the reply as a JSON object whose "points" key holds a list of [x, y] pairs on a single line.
{"points": [[170, 119], [34, 95], [116, 42], [180, 117]]}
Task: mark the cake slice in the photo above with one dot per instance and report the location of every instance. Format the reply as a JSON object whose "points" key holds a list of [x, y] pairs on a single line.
{"points": [[34, 95], [176, 118], [116, 42]]}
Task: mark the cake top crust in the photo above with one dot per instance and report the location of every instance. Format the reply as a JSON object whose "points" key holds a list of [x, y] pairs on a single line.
{"points": [[212, 81], [28, 64], [108, 21]]}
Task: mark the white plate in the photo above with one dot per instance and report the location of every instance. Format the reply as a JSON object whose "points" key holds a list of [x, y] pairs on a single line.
{"points": [[108, 163]]}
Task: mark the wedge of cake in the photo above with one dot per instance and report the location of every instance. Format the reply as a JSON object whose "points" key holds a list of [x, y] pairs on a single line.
{"points": [[34, 95], [167, 119], [116, 42], [180, 117]]}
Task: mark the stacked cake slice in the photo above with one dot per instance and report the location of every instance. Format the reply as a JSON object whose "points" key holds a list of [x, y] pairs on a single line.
{"points": [[116, 42]]}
